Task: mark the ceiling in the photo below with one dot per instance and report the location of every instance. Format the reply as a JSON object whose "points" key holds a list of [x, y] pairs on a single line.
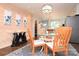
{"points": [[59, 9]]}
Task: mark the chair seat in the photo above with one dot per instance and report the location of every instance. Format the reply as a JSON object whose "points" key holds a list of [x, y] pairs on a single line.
{"points": [[49, 44], [38, 42]]}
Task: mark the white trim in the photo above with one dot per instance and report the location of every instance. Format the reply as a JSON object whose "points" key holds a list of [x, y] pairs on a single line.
{"points": [[6, 45]]}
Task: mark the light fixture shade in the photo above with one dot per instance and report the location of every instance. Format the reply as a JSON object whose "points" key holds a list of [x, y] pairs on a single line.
{"points": [[47, 9]]}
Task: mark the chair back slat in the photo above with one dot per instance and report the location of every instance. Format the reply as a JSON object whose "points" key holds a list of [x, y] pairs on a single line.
{"points": [[62, 37]]}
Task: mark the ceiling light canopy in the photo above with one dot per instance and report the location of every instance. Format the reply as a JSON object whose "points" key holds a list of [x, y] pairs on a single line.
{"points": [[47, 9]]}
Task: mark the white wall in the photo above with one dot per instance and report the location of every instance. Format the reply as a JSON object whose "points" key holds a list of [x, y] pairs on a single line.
{"points": [[77, 9]]}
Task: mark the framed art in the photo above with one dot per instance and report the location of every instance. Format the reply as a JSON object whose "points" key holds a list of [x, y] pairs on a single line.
{"points": [[25, 21], [18, 20], [7, 17]]}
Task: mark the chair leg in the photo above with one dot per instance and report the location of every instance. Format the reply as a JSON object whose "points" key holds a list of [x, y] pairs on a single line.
{"points": [[46, 50], [33, 50], [53, 53], [66, 52]]}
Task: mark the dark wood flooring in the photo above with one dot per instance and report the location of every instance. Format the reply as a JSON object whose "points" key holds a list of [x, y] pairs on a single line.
{"points": [[9, 49]]}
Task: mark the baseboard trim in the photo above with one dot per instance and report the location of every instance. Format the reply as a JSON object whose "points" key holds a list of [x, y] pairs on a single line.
{"points": [[5, 46]]}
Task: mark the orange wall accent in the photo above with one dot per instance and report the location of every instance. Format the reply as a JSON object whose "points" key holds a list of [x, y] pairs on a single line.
{"points": [[6, 31]]}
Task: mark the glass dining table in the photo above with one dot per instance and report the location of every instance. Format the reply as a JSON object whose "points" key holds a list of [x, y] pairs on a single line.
{"points": [[45, 39], [52, 34], [44, 36]]}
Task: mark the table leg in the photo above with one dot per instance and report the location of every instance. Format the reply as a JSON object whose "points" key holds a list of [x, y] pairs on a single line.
{"points": [[41, 49]]}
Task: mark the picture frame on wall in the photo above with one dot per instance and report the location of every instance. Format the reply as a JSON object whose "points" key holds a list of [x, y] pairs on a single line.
{"points": [[25, 21], [7, 17], [18, 20]]}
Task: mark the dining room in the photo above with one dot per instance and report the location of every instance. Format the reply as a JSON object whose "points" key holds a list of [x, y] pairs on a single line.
{"points": [[39, 29]]}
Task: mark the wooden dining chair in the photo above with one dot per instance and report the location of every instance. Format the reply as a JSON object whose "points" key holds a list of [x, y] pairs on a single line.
{"points": [[60, 42], [35, 43]]}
